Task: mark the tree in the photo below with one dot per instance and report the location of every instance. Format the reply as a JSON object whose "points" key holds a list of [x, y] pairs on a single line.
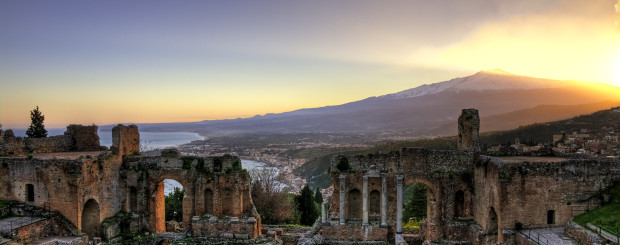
{"points": [[318, 197], [174, 205], [36, 129], [415, 205], [270, 198], [307, 207]]}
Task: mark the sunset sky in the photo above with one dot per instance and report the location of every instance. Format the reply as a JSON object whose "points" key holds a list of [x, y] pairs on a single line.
{"points": [[107, 62]]}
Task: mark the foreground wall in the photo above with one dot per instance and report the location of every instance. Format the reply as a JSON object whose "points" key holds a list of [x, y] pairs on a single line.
{"points": [[538, 194]]}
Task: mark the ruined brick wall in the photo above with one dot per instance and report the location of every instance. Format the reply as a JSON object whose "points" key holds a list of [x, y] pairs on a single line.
{"points": [[83, 138], [529, 191], [486, 198], [238, 228], [125, 140], [10, 145], [225, 192], [469, 126], [59, 143], [64, 185], [76, 138], [443, 172], [537, 194], [354, 233]]}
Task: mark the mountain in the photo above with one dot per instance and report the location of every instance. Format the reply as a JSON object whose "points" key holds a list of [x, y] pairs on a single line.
{"points": [[414, 112]]}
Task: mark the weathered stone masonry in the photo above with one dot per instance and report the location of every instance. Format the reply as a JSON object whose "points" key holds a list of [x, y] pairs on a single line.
{"points": [[496, 194], [88, 187]]}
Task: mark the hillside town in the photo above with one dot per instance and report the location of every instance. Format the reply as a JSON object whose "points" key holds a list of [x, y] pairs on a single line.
{"points": [[602, 143]]}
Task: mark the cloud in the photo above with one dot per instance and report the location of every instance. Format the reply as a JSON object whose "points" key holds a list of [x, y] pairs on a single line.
{"points": [[574, 40]]}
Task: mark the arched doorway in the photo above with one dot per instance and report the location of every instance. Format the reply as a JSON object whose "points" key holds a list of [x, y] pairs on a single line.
{"points": [[169, 206], [91, 219], [415, 206], [355, 204], [208, 200]]}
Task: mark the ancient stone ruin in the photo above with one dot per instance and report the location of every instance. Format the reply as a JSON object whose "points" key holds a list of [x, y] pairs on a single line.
{"points": [[106, 193], [472, 199]]}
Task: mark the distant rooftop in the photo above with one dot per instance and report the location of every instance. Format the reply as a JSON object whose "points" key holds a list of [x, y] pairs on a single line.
{"points": [[517, 159]]}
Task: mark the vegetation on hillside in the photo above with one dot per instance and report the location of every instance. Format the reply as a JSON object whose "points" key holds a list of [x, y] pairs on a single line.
{"points": [[607, 216]]}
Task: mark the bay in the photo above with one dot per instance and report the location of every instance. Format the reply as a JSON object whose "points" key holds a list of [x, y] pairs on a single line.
{"points": [[155, 140], [148, 140]]}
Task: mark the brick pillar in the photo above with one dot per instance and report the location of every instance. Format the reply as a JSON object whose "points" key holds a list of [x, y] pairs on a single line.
{"points": [[342, 179], [125, 140], [365, 205], [383, 201], [399, 204]]}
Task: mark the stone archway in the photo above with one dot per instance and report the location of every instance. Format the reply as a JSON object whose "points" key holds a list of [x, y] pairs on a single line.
{"points": [[91, 219], [157, 202], [433, 206]]}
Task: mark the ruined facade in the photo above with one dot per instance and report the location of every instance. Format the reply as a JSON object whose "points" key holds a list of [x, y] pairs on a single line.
{"points": [[91, 188], [471, 198]]}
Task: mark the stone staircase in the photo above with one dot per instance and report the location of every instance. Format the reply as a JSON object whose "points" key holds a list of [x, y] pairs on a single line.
{"points": [[58, 240], [549, 236]]}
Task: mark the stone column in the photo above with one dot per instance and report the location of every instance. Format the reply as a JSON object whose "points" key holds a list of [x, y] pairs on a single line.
{"points": [[399, 204], [324, 212], [383, 201], [365, 205], [342, 179]]}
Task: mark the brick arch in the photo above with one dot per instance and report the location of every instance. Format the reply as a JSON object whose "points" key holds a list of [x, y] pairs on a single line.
{"points": [[91, 218], [157, 199], [433, 204]]}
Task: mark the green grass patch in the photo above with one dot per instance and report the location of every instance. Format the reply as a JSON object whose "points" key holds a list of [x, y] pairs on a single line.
{"points": [[2, 204], [412, 224], [606, 216]]}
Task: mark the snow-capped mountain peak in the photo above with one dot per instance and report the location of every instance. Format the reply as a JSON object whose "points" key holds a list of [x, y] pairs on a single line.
{"points": [[493, 79]]}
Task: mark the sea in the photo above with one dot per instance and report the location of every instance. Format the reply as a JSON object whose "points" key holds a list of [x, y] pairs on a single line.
{"points": [[148, 140]]}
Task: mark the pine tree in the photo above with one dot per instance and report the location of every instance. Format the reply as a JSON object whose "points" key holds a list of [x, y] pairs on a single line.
{"points": [[36, 129], [415, 206], [307, 207], [174, 205], [318, 197]]}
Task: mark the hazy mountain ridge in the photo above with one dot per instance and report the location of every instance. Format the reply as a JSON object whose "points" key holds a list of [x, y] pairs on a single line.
{"points": [[415, 111]]}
